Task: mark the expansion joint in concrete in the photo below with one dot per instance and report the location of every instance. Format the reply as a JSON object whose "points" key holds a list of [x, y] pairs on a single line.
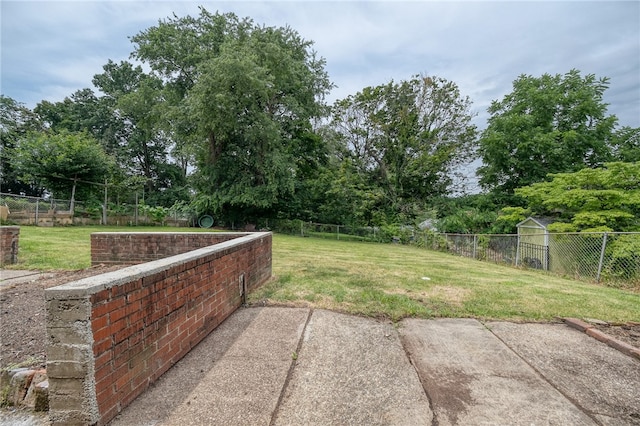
{"points": [[588, 413], [294, 361], [407, 353]]}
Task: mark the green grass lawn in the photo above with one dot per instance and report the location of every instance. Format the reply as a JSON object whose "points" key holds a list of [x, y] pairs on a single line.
{"points": [[68, 248], [382, 280]]}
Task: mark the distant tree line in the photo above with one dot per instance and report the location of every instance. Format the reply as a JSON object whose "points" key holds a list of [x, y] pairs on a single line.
{"points": [[231, 119]]}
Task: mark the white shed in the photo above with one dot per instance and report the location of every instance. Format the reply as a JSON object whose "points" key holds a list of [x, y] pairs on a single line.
{"points": [[533, 242]]}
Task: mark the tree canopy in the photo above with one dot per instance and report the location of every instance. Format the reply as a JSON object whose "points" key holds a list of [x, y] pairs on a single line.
{"points": [[229, 117], [62, 161], [16, 120], [549, 124], [626, 144], [601, 199], [251, 93], [406, 138]]}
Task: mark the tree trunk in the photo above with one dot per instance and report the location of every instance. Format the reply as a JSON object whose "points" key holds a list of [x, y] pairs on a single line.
{"points": [[215, 149]]}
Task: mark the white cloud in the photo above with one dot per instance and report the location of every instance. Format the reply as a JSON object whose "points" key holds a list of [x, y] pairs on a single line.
{"points": [[51, 49]]}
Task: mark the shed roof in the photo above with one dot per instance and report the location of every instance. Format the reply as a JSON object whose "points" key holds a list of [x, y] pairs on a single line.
{"points": [[541, 222]]}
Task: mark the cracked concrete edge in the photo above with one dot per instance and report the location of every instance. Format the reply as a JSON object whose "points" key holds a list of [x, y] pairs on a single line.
{"points": [[592, 331]]}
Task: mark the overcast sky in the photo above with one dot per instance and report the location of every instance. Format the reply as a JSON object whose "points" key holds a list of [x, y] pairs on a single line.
{"points": [[50, 49]]}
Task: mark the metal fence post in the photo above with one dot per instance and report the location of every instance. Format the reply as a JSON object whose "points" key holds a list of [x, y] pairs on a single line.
{"points": [[36, 216], [604, 246], [104, 207], [475, 245]]}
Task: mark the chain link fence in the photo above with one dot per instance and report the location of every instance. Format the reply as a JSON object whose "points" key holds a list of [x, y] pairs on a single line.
{"points": [[611, 257], [23, 210]]}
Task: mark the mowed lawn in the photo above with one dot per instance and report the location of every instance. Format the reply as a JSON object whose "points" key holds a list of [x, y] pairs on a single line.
{"points": [[69, 247], [381, 280]]}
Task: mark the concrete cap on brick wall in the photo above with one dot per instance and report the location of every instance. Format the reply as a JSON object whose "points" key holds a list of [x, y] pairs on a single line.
{"points": [[92, 285]]}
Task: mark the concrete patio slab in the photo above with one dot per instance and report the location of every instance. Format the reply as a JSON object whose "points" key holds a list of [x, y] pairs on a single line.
{"points": [[353, 371], [235, 376], [292, 366], [474, 378], [602, 380], [12, 277]]}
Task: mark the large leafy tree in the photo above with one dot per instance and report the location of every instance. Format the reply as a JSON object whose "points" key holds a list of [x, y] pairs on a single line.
{"points": [[549, 124], [144, 145], [600, 199], [407, 138], [82, 111], [243, 97], [65, 164], [16, 120], [115, 82], [85, 112], [127, 121]]}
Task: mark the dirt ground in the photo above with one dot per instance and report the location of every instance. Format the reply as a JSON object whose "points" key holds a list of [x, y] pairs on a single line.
{"points": [[23, 331], [23, 334]]}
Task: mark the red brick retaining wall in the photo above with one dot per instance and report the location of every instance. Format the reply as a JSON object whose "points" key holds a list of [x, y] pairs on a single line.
{"points": [[9, 239], [139, 247], [112, 335]]}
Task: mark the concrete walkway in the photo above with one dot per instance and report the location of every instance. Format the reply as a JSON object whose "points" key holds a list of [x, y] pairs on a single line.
{"points": [[294, 366], [12, 277]]}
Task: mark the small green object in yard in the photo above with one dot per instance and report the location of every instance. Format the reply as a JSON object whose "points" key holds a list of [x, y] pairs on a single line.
{"points": [[205, 221]]}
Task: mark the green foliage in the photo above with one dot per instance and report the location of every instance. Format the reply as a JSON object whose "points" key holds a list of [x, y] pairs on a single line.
{"points": [[119, 80], [137, 101], [396, 233], [241, 97], [83, 111], [508, 218], [623, 258], [157, 214], [467, 221], [345, 197], [604, 199], [465, 214], [182, 210], [626, 144], [286, 226], [549, 124], [16, 121], [58, 160], [239, 105], [404, 139], [562, 227]]}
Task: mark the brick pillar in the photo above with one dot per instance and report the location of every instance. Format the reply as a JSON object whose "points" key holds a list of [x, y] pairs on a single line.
{"points": [[9, 238]]}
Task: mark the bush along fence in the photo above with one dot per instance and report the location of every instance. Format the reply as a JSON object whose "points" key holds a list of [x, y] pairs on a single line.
{"points": [[610, 257], [23, 210]]}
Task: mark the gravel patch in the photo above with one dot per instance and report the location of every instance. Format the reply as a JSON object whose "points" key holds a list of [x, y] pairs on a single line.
{"points": [[23, 333]]}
